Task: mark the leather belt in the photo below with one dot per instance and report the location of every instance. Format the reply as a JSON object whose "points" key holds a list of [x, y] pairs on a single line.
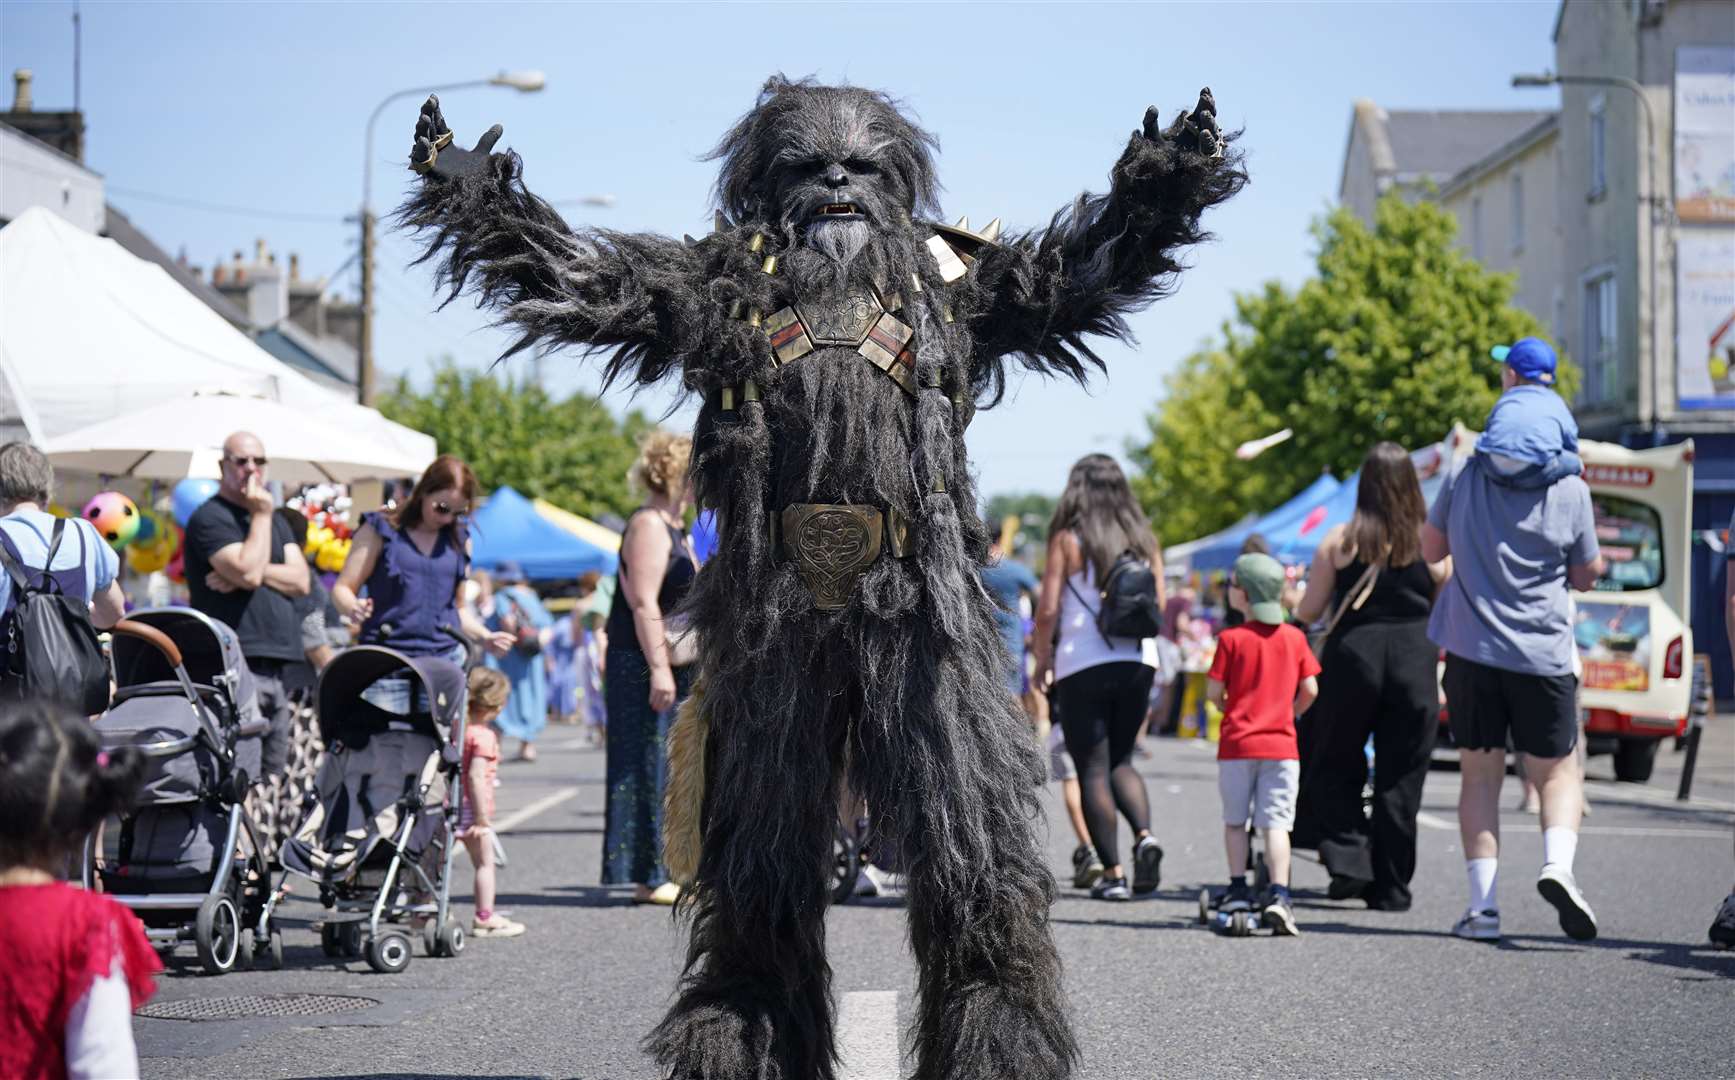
{"points": [[832, 544]]}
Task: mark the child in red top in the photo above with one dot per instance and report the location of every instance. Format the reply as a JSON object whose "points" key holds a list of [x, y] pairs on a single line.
{"points": [[73, 964], [488, 693], [1262, 678]]}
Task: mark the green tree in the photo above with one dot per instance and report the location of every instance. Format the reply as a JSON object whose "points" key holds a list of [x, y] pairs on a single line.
{"points": [[574, 453], [1389, 340], [1031, 508]]}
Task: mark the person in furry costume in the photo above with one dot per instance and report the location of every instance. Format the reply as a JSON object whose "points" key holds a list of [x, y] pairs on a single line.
{"points": [[840, 338]]}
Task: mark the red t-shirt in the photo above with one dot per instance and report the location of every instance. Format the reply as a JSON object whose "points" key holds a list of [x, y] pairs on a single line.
{"points": [[1260, 666], [55, 941]]}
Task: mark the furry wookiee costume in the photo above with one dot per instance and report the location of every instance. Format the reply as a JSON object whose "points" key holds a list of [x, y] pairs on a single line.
{"points": [[840, 339]]}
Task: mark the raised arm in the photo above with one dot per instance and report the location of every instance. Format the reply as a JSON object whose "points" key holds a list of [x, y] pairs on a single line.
{"points": [[634, 295], [1105, 256]]}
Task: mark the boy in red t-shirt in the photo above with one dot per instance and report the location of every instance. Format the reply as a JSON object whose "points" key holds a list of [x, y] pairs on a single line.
{"points": [[1262, 678]]}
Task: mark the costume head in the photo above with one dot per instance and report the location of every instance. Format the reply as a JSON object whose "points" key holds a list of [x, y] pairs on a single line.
{"points": [[827, 165]]}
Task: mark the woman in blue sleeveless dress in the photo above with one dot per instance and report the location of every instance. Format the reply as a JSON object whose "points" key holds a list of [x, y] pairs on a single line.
{"points": [[412, 563]]}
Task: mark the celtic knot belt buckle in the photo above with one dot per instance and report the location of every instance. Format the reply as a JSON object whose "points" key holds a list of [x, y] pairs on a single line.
{"points": [[830, 546]]}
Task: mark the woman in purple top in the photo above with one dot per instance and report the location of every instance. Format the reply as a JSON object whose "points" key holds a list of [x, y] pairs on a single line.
{"points": [[412, 562]]}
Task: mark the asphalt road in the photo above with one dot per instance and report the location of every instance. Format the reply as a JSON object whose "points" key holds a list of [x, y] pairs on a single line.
{"points": [[1360, 993]]}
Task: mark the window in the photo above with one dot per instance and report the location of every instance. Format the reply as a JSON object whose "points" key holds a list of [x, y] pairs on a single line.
{"points": [[1600, 339], [1476, 228], [1630, 535], [1517, 213], [1598, 146]]}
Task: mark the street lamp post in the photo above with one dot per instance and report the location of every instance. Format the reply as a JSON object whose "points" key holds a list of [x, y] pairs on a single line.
{"points": [[1651, 198], [527, 82]]}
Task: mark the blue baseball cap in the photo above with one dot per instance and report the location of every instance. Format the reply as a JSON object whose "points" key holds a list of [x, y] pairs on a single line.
{"points": [[1530, 357]]}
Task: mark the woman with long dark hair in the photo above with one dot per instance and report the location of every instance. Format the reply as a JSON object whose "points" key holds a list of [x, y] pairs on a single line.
{"points": [[1101, 684], [1379, 677], [413, 561]]}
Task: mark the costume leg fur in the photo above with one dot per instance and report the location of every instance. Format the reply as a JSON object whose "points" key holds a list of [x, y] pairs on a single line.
{"points": [[944, 758]]}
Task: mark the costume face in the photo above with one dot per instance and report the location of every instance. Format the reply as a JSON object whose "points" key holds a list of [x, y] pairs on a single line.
{"points": [[830, 165]]}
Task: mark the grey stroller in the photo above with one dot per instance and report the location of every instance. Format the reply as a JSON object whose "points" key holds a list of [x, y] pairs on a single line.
{"points": [[372, 818], [187, 859]]}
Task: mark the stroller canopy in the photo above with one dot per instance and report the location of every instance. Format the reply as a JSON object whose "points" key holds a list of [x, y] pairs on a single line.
{"points": [[209, 651], [342, 712]]}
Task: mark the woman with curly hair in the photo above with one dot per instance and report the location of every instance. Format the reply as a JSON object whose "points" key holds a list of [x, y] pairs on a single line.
{"points": [[645, 678]]}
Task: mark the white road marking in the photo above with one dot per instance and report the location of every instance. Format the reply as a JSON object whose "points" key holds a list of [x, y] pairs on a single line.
{"points": [[867, 1035], [1685, 834], [1434, 821], [1605, 791], [547, 802]]}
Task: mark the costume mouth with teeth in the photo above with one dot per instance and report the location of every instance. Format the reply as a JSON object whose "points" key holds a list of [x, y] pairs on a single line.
{"points": [[845, 639]]}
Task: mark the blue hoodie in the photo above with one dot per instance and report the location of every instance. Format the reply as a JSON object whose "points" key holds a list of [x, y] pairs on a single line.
{"points": [[1530, 439]]}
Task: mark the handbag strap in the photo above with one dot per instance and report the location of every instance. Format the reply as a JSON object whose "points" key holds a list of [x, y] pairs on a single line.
{"points": [[1095, 613], [1354, 599]]}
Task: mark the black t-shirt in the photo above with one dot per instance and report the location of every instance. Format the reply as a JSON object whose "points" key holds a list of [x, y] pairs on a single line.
{"points": [[265, 620]]}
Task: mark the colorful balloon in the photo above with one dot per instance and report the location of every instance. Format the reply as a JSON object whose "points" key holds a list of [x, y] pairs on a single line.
{"points": [[189, 495], [114, 516], [146, 558], [149, 526], [177, 569]]}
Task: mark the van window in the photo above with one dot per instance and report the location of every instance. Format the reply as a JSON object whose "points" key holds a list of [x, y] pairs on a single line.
{"points": [[1631, 536]]}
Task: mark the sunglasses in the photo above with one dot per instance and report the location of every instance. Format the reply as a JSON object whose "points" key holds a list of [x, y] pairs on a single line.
{"points": [[446, 508], [257, 462]]}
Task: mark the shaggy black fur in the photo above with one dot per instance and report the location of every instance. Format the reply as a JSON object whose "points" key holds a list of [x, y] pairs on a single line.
{"points": [[903, 688]]}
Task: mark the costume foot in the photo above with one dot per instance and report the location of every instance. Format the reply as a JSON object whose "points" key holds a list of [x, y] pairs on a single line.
{"points": [[993, 1033], [715, 1040]]}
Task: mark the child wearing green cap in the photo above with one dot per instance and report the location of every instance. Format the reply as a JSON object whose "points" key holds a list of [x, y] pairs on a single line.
{"points": [[1262, 677]]}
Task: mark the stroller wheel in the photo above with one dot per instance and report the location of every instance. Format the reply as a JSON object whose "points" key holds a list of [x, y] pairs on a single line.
{"points": [[451, 939], [217, 933], [1204, 907], [331, 940], [389, 954], [350, 935], [268, 950], [1240, 924]]}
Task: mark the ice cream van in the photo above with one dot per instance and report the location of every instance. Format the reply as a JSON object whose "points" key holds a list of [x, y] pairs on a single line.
{"points": [[1634, 641]]}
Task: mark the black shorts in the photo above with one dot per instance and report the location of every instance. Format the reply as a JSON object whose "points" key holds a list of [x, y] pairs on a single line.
{"points": [[1540, 712]]}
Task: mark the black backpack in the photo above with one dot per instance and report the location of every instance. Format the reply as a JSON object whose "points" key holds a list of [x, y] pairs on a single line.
{"points": [[1128, 607], [51, 648]]}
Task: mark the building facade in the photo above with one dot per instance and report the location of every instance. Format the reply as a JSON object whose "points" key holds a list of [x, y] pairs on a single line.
{"points": [[1619, 222]]}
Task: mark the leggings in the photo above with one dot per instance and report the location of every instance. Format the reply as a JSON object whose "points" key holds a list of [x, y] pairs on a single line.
{"points": [[1101, 709]]}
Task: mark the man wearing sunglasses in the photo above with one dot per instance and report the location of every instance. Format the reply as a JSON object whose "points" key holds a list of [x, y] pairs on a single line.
{"points": [[245, 568]]}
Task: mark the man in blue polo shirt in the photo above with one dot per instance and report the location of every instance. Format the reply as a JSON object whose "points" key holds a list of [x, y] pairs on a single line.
{"points": [[1519, 540], [85, 565]]}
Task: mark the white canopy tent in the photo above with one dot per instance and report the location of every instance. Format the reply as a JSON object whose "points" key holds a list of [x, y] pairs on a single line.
{"points": [[184, 437], [89, 332]]}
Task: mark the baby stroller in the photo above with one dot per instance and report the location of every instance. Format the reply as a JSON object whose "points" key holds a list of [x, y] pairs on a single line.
{"points": [[187, 859], [369, 819]]}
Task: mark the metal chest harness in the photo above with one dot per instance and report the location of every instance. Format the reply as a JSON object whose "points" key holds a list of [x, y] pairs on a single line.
{"points": [[832, 544]]}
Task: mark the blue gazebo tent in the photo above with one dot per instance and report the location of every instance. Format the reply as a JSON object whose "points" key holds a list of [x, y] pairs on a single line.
{"points": [[508, 529], [1221, 550], [1296, 541]]}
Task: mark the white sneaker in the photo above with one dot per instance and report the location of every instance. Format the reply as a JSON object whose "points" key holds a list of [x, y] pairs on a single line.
{"points": [[1557, 886], [1478, 926]]}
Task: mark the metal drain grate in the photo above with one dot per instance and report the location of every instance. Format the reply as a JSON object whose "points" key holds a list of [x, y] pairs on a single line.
{"points": [[249, 1006]]}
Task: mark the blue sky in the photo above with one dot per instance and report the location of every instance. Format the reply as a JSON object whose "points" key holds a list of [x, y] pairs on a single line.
{"points": [[264, 105]]}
